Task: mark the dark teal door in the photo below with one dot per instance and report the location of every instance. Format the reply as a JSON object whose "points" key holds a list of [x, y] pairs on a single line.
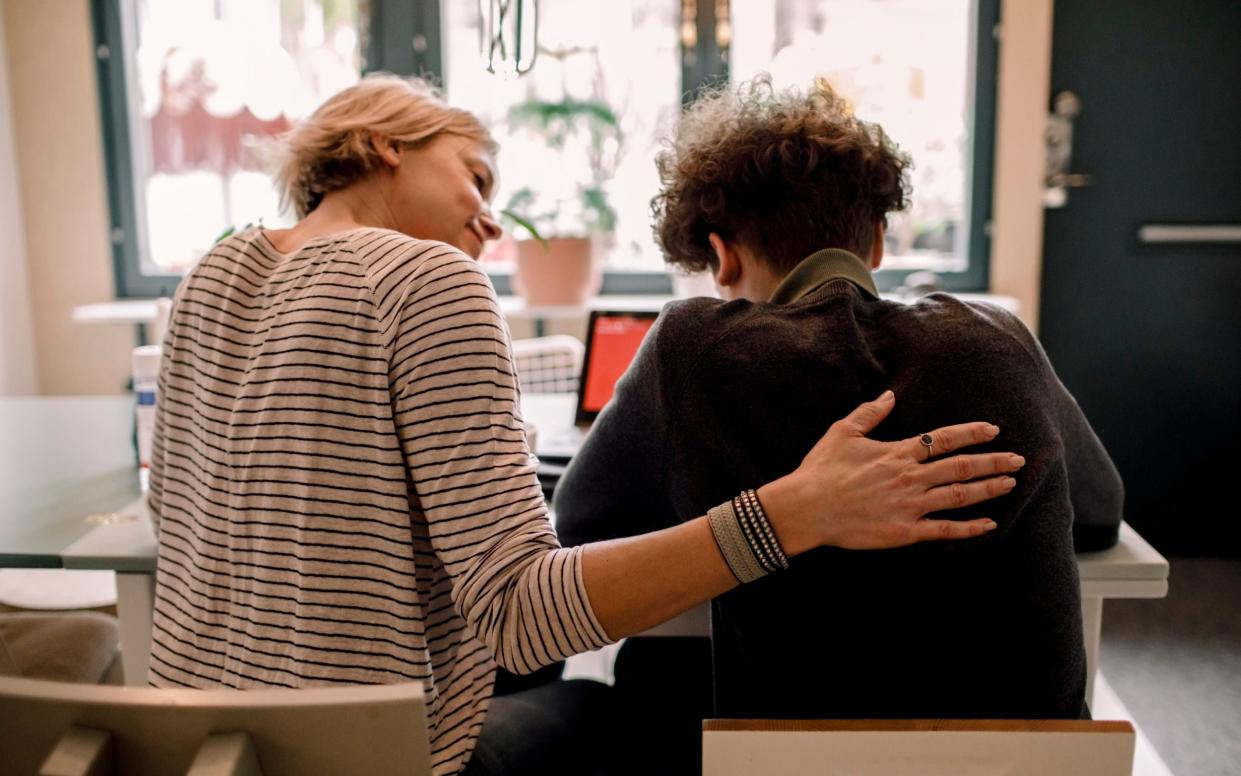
{"points": [[1147, 335]]}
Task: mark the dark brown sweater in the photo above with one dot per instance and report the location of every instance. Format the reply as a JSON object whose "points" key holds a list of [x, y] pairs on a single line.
{"points": [[724, 396]]}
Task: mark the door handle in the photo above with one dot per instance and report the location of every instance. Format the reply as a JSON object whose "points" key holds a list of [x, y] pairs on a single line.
{"points": [[1070, 180], [1190, 233], [1059, 147]]}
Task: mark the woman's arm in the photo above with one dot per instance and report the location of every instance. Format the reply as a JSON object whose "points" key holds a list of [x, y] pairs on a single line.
{"points": [[849, 492]]}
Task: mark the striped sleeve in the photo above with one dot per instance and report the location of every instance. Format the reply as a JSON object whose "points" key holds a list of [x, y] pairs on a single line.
{"points": [[455, 404]]}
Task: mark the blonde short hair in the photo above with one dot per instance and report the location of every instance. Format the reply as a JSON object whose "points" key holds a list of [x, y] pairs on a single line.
{"points": [[332, 149]]}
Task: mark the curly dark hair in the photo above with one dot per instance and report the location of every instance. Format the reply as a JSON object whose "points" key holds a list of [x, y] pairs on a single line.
{"points": [[785, 173]]}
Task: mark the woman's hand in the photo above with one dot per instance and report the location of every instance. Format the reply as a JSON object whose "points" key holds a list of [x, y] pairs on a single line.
{"points": [[858, 493]]}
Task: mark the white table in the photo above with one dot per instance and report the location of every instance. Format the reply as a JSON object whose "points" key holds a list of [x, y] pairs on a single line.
{"points": [[61, 459], [67, 464], [129, 548], [1131, 569]]}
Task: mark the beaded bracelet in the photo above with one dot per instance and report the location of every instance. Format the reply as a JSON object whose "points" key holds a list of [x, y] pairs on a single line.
{"points": [[753, 536], [771, 545], [746, 538]]}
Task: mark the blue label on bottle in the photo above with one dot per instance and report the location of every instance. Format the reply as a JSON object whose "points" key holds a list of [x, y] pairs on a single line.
{"points": [[146, 398]]}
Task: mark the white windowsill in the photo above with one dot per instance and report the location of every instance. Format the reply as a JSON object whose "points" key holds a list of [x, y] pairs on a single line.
{"points": [[142, 311]]}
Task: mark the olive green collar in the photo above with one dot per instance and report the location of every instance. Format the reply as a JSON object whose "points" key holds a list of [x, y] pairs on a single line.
{"points": [[819, 268]]}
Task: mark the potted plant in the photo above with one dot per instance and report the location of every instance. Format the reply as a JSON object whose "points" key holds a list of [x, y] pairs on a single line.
{"points": [[567, 218]]}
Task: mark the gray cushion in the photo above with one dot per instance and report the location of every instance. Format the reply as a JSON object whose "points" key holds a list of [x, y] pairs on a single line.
{"points": [[65, 647]]}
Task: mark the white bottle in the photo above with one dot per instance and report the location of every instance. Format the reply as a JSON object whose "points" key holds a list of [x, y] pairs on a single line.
{"points": [[146, 380]]}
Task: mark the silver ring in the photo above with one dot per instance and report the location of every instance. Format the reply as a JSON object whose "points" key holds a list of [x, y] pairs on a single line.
{"points": [[929, 441]]}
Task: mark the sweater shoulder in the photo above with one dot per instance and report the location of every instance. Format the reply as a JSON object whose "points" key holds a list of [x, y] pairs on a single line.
{"points": [[944, 324], [689, 329]]}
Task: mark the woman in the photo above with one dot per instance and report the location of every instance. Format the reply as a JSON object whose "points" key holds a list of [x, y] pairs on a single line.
{"points": [[340, 478]]}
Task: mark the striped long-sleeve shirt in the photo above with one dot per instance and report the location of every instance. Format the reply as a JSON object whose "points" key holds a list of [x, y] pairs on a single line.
{"points": [[342, 486]]}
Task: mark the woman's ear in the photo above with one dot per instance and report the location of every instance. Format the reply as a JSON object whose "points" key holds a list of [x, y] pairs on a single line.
{"points": [[386, 149], [728, 270]]}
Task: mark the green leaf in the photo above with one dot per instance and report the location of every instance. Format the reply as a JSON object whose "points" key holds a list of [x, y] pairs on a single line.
{"points": [[591, 121], [557, 120], [528, 226], [596, 200]]}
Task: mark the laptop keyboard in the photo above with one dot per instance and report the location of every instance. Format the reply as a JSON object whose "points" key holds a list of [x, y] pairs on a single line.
{"points": [[561, 444]]}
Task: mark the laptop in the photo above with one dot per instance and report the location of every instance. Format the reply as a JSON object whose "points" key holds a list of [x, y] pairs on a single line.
{"points": [[612, 340]]}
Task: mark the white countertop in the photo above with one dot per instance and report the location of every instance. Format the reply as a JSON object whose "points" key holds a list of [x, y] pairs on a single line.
{"points": [[142, 311]]}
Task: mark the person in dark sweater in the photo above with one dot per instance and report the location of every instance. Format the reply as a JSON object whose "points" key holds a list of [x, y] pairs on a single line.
{"points": [[784, 196]]}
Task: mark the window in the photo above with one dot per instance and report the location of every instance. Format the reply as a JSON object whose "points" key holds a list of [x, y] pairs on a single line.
{"points": [[618, 61], [184, 117], [190, 117], [909, 66]]}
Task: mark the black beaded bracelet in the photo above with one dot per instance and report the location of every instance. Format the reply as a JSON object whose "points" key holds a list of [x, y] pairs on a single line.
{"points": [[745, 537], [773, 542], [753, 535], [749, 530], [758, 531]]}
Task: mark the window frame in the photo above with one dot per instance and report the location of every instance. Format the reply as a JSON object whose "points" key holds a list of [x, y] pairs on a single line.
{"points": [[404, 37], [983, 64], [123, 224]]}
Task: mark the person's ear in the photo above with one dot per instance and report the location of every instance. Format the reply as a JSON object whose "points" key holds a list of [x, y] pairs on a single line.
{"points": [[386, 150], [728, 270], [876, 247]]}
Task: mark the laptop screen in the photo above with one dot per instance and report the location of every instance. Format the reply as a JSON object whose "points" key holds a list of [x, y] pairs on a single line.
{"points": [[611, 343]]}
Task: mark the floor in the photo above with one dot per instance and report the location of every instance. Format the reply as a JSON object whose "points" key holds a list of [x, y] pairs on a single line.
{"points": [[1107, 705], [1146, 759], [1175, 664]]}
